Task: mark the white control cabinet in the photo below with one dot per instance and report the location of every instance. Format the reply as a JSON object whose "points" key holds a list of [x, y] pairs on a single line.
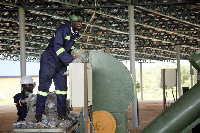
{"points": [[170, 78], [76, 84]]}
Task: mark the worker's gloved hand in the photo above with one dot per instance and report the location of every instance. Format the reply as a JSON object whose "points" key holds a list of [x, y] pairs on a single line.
{"points": [[80, 55], [76, 53], [22, 101]]}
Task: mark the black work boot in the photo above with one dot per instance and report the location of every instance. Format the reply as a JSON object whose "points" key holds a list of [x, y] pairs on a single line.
{"points": [[64, 117], [38, 118]]}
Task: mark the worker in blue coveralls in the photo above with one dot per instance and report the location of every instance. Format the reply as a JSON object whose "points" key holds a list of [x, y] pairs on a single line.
{"points": [[27, 85], [53, 63]]}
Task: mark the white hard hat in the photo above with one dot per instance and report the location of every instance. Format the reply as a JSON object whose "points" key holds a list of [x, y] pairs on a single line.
{"points": [[26, 80]]}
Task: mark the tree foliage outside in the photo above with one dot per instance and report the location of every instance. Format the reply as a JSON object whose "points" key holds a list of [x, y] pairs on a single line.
{"points": [[151, 82]]}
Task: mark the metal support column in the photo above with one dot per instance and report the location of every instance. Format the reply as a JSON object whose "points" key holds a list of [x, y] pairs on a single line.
{"points": [[141, 81], [86, 97], [179, 71], [135, 122], [191, 75], [164, 88], [22, 41]]}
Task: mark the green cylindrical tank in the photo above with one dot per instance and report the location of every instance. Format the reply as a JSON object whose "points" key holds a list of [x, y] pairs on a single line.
{"points": [[113, 88]]}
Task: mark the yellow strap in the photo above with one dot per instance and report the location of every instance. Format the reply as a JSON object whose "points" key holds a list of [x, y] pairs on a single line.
{"points": [[67, 37], [59, 51], [42, 93], [61, 92], [72, 47]]}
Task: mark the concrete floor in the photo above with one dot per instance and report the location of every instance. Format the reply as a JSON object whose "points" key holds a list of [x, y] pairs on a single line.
{"points": [[148, 110]]}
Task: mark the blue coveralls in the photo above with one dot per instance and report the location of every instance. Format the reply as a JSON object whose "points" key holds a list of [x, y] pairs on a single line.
{"points": [[21, 107], [53, 64]]}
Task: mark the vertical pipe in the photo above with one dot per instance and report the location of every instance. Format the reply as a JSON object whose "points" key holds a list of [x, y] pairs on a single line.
{"points": [[86, 97], [176, 85], [164, 87], [22, 41], [195, 76], [91, 118], [191, 74], [179, 70], [135, 122], [141, 81]]}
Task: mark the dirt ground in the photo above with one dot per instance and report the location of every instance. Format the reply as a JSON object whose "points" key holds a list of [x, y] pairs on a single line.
{"points": [[148, 110]]}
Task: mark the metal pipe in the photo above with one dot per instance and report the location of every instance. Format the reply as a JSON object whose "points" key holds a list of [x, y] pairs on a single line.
{"points": [[22, 41], [164, 87], [135, 122], [179, 71], [141, 81], [176, 85], [179, 115], [191, 74], [85, 97]]}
